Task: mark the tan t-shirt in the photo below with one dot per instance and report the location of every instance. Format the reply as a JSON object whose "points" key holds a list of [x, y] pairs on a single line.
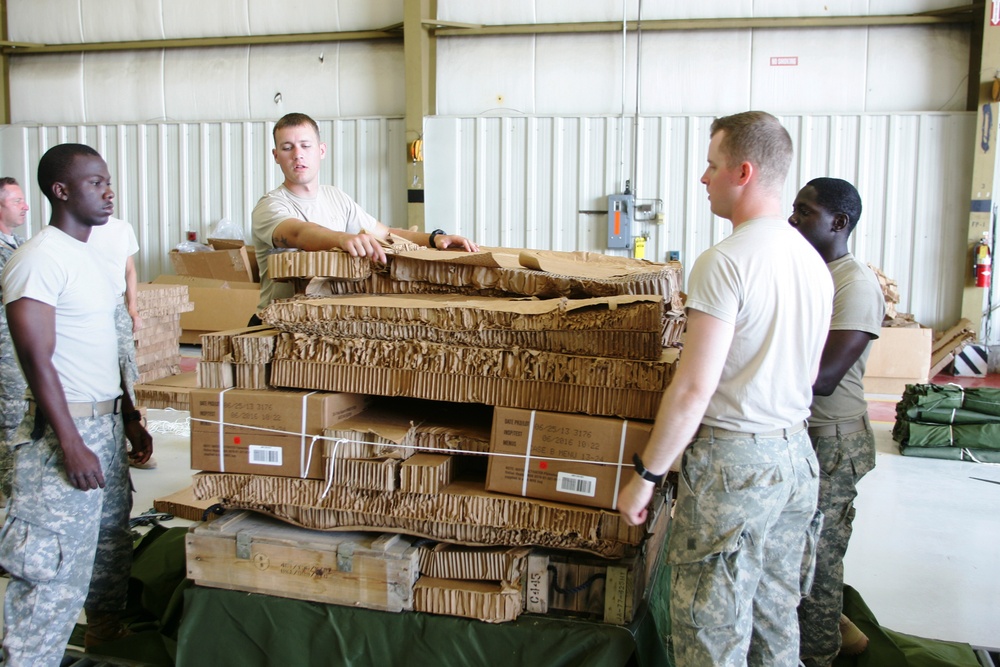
{"points": [[774, 288], [331, 208], [858, 305]]}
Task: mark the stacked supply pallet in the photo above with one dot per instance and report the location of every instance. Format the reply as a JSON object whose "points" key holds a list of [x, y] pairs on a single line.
{"points": [[455, 348]]}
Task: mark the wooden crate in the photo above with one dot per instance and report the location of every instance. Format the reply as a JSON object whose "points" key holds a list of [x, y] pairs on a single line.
{"points": [[250, 552], [609, 590]]}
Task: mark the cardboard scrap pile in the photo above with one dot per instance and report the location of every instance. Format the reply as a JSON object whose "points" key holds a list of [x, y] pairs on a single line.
{"points": [[157, 346], [157, 343], [237, 358], [495, 272], [459, 418]]}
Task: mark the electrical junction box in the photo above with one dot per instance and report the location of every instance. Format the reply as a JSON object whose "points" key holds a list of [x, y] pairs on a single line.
{"points": [[621, 213]]}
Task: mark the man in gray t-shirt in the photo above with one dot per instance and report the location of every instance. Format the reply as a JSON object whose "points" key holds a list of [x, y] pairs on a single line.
{"points": [[826, 212], [758, 311], [304, 214]]}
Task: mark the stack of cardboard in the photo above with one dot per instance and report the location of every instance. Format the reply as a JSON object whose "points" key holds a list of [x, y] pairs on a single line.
{"points": [[237, 358], [161, 385], [890, 290], [496, 272], [499, 378], [157, 343]]}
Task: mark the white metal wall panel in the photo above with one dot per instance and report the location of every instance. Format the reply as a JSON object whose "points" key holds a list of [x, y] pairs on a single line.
{"points": [[44, 21], [118, 20], [506, 85], [218, 18], [47, 88], [550, 11], [828, 74], [913, 69], [170, 178], [114, 88], [677, 65], [541, 182]]}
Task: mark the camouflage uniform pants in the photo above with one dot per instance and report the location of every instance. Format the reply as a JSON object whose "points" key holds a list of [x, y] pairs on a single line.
{"points": [[11, 412], [58, 541], [745, 505], [843, 461], [126, 349]]}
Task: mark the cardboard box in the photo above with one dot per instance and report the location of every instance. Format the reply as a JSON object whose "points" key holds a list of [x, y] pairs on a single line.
{"points": [[265, 432], [246, 551], [565, 457], [235, 262], [172, 391], [219, 305], [900, 356]]}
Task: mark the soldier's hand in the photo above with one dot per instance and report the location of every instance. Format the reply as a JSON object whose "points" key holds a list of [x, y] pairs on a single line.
{"points": [[363, 245], [140, 440], [633, 500], [454, 242], [83, 468]]}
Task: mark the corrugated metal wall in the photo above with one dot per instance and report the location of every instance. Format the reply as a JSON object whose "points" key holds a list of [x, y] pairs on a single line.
{"points": [[170, 178], [539, 182]]}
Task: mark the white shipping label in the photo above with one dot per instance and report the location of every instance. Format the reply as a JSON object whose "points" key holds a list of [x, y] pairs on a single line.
{"points": [[580, 485], [266, 456]]}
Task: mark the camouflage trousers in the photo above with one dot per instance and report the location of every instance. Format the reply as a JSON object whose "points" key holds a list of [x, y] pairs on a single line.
{"points": [[745, 507], [11, 412], [58, 542], [126, 349], [843, 461]]}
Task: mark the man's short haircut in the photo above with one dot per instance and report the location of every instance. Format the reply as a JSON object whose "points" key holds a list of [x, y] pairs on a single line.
{"points": [[4, 182], [838, 196], [56, 162], [757, 137], [293, 120]]}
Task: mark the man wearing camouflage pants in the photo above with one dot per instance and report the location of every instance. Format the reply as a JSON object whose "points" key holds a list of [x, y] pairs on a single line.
{"points": [[826, 212], [13, 214], [66, 542], [758, 312]]}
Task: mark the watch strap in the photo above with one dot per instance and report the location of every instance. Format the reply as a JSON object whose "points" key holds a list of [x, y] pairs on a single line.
{"points": [[430, 240], [640, 470]]}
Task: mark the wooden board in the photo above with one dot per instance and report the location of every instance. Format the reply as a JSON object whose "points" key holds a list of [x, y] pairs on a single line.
{"points": [[251, 552]]}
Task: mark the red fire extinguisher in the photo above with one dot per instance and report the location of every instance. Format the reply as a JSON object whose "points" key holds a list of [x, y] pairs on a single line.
{"points": [[982, 261]]}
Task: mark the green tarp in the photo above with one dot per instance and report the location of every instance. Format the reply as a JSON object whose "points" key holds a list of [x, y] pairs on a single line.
{"points": [[190, 626], [894, 649], [937, 418]]}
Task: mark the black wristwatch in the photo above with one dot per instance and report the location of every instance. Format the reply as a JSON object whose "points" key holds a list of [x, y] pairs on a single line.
{"points": [[430, 241], [134, 416], [640, 470]]}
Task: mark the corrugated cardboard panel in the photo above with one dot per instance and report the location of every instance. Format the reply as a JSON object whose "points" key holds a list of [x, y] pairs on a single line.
{"points": [[451, 561], [483, 600], [462, 512]]}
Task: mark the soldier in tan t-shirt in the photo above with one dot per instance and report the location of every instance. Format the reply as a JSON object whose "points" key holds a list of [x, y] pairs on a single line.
{"points": [[825, 212]]}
